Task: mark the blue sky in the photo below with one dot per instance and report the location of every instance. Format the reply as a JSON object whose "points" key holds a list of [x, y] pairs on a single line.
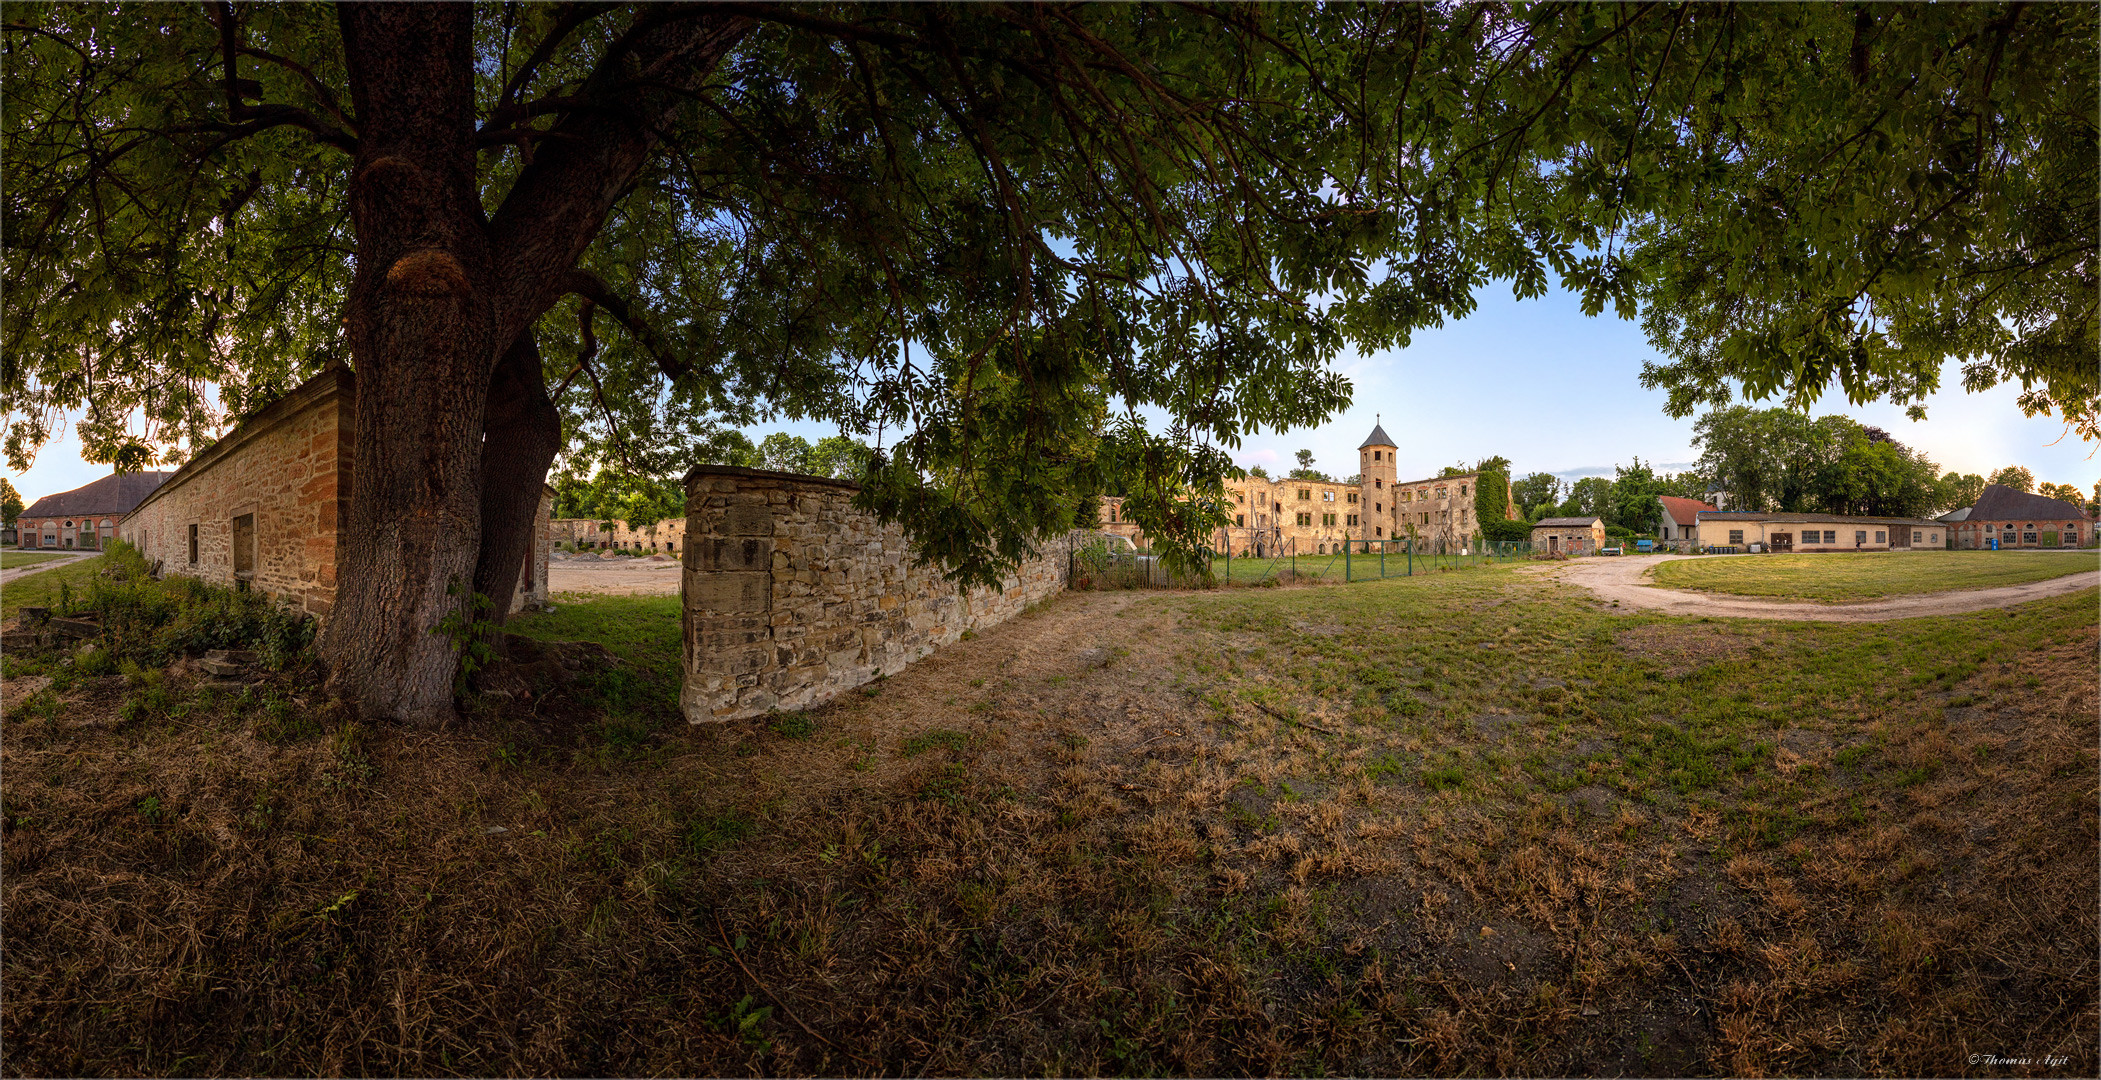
{"points": [[1540, 383]]}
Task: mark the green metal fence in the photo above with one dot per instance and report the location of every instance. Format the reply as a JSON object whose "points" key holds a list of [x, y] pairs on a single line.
{"points": [[1282, 562]]}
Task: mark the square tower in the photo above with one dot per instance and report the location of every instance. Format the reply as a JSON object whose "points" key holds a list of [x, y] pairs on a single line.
{"points": [[1375, 494]]}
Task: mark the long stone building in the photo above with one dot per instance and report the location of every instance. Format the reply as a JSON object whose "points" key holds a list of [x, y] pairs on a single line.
{"points": [[585, 534], [2018, 519], [87, 516], [262, 507], [1316, 517]]}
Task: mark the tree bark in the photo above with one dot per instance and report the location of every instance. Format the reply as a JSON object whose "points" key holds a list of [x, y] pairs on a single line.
{"points": [[440, 295], [521, 435], [420, 330]]}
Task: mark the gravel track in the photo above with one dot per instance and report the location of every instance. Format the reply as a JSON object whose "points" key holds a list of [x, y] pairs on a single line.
{"points": [[1623, 579]]}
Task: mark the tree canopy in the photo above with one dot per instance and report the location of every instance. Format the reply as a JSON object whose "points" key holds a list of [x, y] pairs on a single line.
{"points": [[1779, 459], [894, 216], [1019, 249]]}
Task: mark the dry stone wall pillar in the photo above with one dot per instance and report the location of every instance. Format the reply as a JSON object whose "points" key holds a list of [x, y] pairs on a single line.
{"points": [[791, 596]]}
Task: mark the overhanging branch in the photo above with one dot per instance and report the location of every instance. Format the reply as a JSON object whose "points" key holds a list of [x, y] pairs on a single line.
{"points": [[596, 292]]}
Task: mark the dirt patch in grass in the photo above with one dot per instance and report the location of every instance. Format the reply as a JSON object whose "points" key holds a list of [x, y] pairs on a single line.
{"points": [[1122, 834], [1680, 647]]}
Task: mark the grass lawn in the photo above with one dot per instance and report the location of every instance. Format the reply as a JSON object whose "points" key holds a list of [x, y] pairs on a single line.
{"points": [[11, 559], [643, 630], [1840, 577], [1464, 823], [43, 589]]}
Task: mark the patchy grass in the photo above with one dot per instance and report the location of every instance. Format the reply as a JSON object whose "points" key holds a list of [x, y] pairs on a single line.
{"points": [[643, 630], [1465, 823], [11, 559], [1840, 577], [42, 589]]}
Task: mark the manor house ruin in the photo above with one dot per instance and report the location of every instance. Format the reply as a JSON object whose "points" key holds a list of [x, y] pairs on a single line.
{"points": [[1316, 517]]}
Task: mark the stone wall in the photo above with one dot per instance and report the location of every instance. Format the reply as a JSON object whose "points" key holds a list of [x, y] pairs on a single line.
{"points": [[290, 466], [666, 535], [791, 595], [286, 465]]}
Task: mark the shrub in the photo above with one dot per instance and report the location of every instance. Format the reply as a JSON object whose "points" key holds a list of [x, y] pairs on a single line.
{"points": [[1618, 532], [153, 622], [1505, 531]]}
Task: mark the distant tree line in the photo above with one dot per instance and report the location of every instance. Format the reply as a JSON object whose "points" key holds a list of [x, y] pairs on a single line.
{"points": [[1779, 459], [621, 494]]}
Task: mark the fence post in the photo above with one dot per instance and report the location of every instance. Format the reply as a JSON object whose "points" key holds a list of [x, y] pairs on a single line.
{"points": [[1345, 556], [1382, 559]]}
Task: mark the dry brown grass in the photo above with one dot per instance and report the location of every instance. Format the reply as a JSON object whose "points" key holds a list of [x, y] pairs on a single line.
{"points": [[1120, 835]]}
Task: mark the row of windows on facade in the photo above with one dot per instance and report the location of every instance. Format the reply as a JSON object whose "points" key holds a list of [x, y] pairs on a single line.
{"points": [[49, 534], [1306, 494], [648, 545], [2069, 536], [1829, 536]]}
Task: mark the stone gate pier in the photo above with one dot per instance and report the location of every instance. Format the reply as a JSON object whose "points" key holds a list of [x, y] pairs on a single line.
{"points": [[790, 595]]}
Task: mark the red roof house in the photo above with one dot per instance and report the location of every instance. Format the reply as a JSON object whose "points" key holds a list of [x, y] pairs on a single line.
{"points": [[1681, 518]]}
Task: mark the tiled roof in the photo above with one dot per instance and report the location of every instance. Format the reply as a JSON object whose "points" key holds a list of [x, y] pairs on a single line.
{"points": [[1683, 511], [2002, 503], [113, 495], [1377, 437], [1833, 519], [1562, 523], [1956, 515]]}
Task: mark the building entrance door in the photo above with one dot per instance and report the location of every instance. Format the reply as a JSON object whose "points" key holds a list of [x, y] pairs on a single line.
{"points": [[1553, 544], [1782, 541]]}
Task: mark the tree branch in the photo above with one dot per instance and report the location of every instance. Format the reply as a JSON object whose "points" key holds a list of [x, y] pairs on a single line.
{"points": [[261, 117], [597, 293]]}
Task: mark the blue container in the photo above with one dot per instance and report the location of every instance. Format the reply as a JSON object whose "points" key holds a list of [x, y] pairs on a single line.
{"points": [[1995, 543]]}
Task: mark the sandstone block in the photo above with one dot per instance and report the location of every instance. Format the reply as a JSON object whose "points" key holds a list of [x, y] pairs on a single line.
{"points": [[731, 593]]}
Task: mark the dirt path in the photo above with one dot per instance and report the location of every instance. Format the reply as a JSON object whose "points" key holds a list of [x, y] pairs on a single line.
{"points": [[64, 558], [613, 577], [1624, 580]]}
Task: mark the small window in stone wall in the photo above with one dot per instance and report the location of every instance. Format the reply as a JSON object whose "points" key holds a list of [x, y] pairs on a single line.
{"points": [[193, 545], [244, 548]]}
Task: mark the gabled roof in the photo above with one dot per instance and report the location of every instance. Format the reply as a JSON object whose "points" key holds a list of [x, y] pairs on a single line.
{"points": [[1563, 523], [114, 496], [1956, 515], [1377, 437], [1683, 511], [2002, 503]]}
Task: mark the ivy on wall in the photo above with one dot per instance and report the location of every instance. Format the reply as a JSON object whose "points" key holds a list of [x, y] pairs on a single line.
{"points": [[1492, 495]]}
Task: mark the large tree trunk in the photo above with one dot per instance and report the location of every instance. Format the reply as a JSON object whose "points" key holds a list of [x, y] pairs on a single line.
{"points": [[441, 292], [420, 330], [522, 433]]}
